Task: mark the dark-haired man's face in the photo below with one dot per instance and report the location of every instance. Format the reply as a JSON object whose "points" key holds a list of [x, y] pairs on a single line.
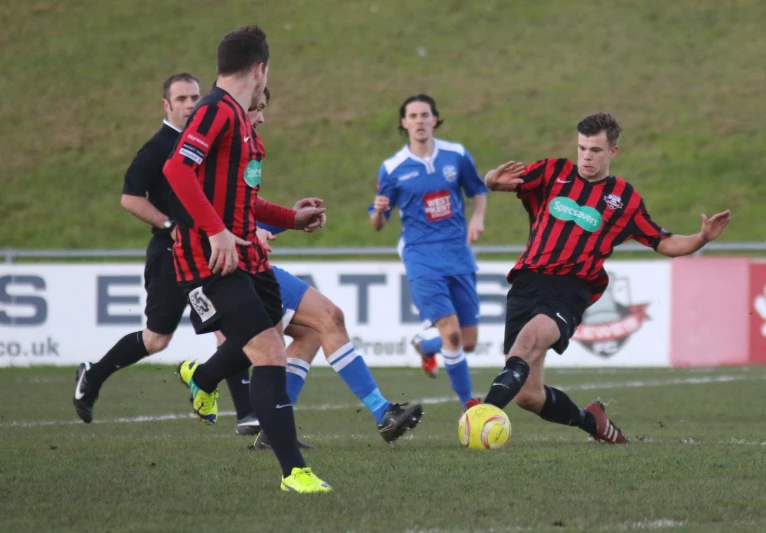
{"points": [[419, 121], [256, 110], [182, 97], [594, 155]]}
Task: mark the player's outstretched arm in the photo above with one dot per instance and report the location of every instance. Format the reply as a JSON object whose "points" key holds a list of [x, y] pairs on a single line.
{"points": [[506, 177], [680, 245], [289, 221]]}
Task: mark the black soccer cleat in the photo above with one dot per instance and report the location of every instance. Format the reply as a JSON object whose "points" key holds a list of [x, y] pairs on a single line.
{"points": [[262, 443], [84, 395], [248, 425], [397, 421]]}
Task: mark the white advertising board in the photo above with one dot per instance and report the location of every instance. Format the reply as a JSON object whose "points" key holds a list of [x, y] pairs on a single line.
{"points": [[64, 314]]}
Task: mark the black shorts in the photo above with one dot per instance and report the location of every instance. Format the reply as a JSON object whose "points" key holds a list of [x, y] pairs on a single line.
{"points": [[165, 300], [562, 298], [241, 305]]}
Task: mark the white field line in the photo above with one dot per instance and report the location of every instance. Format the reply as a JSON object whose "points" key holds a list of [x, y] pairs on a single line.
{"points": [[426, 401], [643, 525]]}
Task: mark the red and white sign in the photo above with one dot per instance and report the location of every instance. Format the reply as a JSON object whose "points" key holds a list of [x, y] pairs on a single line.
{"points": [[710, 313], [438, 205]]}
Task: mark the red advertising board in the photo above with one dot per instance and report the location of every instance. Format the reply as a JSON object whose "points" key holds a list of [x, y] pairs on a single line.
{"points": [[757, 310], [710, 318]]}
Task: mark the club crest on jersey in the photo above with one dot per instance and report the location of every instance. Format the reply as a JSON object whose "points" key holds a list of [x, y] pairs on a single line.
{"points": [[450, 173], [613, 201], [253, 173]]}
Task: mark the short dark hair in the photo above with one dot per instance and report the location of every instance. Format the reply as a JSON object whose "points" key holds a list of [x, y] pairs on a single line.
{"points": [[253, 105], [595, 124], [181, 76], [419, 98], [241, 50]]}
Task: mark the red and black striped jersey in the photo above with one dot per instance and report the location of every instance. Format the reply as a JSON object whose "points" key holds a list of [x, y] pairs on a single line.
{"points": [[221, 148], [575, 224]]}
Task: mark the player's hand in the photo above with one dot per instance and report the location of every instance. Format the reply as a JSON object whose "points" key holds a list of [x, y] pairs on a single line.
{"points": [[264, 236], [308, 202], [309, 219], [475, 229], [224, 256], [506, 177], [174, 234], [381, 204], [713, 227]]}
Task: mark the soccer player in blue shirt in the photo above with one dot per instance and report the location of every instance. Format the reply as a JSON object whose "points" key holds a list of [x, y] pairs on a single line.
{"points": [[426, 180]]}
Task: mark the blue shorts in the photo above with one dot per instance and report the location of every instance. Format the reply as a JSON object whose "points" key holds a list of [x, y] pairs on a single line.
{"points": [[437, 297], [292, 289]]}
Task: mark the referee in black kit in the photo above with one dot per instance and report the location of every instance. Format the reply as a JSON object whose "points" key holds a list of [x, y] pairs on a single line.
{"points": [[146, 195]]}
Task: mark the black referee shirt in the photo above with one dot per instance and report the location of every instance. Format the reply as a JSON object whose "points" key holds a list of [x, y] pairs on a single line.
{"points": [[144, 176]]}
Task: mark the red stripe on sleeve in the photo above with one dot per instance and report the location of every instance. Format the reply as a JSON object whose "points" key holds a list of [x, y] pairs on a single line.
{"points": [[274, 215]]}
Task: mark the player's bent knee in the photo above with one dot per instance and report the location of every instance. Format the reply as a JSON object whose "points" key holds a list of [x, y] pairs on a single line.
{"points": [[334, 317], [266, 349], [156, 342], [525, 345], [337, 317], [469, 346], [453, 338]]}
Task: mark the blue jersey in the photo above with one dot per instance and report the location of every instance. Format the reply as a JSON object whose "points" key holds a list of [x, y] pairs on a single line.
{"points": [[429, 195]]}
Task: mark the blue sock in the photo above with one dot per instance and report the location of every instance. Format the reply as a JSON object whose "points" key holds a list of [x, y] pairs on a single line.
{"points": [[457, 370], [352, 368], [297, 369], [432, 346]]}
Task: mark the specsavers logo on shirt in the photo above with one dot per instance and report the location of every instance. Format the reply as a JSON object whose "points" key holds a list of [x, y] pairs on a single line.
{"points": [[438, 205], [253, 173], [567, 210]]}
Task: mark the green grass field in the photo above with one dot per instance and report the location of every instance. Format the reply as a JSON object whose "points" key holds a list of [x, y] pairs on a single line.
{"points": [[80, 83], [695, 462]]}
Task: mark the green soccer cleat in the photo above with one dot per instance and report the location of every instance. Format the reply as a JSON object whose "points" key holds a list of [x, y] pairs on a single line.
{"points": [[303, 480], [205, 404]]}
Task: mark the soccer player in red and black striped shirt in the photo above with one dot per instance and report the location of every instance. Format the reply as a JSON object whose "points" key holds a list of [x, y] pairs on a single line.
{"points": [[215, 173], [578, 214]]}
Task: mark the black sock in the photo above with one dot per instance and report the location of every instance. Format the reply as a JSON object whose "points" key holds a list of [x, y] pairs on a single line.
{"points": [[239, 387], [128, 350], [560, 409], [226, 361], [268, 394], [508, 383]]}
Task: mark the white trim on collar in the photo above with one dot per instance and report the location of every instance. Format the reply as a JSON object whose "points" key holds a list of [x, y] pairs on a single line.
{"points": [[428, 162], [165, 121]]}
